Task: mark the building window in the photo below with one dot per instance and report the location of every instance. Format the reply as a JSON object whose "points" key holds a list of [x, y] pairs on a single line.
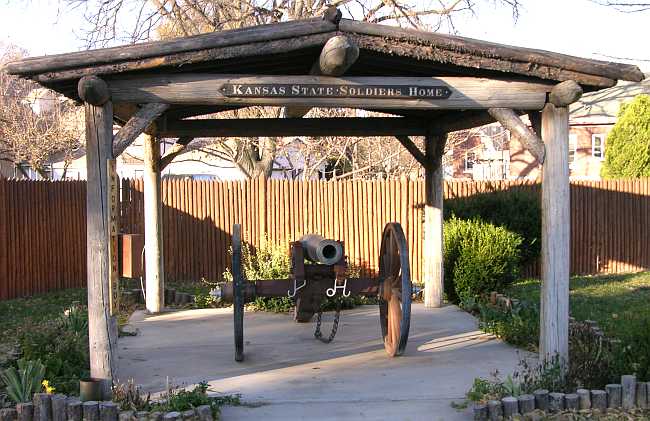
{"points": [[573, 149], [470, 159], [598, 146]]}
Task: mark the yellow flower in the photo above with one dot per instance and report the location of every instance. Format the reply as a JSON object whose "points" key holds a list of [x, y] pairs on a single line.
{"points": [[47, 388]]}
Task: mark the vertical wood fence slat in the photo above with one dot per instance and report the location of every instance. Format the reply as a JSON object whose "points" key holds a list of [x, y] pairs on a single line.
{"points": [[43, 224]]}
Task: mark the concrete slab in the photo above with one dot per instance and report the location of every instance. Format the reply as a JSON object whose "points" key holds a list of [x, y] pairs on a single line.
{"points": [[287, 374]]}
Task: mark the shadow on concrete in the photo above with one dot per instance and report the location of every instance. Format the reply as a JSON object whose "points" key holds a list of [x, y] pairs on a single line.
{"points": [[284, 362]]}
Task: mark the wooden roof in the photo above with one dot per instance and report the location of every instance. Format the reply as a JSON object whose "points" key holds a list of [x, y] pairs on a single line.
{"points": [[291, 48]]}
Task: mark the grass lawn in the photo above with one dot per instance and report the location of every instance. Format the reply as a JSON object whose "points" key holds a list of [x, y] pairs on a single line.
{"points": [[39, 308], [619, 303]]}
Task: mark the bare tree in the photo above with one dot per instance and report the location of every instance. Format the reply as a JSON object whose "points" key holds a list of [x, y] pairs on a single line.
{"points": [[624, 6], [137, 20], [36, 125]]}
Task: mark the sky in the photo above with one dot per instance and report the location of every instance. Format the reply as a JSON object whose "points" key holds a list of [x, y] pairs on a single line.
{"points": [[576, 27]]}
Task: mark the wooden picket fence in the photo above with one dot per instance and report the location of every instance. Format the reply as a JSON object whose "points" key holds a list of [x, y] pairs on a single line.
{"points": [[42, 236], [43, 243]]}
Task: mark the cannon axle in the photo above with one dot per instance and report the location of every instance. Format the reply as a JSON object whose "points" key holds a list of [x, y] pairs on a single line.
{"points": [[327, 276]]}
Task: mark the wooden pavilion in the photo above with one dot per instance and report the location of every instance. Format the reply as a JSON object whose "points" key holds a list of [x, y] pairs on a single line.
{"points": [[431, 83]]}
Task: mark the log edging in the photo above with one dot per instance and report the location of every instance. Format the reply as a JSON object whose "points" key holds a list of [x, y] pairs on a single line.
{"points": [[62, 407], [627, 395]]}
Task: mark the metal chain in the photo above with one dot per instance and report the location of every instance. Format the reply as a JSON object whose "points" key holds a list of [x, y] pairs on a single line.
{"points": [[318, 334]]}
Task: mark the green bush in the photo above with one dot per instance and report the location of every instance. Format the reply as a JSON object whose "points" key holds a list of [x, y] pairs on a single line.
{"points": [[479, 258], [455, 230], [269, 261], [593, 362], [517, 209], [518, 326], [182, 400], [627, 152], [272, 261], [61, 344], [23, 382]]}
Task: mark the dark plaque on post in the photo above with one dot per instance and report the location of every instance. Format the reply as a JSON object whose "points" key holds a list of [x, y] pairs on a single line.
{"points": [[312, 90]]}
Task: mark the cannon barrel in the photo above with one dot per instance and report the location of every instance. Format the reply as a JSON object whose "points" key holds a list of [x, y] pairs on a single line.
{"points": [[321, 250]]}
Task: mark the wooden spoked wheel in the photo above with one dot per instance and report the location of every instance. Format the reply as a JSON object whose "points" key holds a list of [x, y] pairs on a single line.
{"points": [[238, 293], [394, 289]]}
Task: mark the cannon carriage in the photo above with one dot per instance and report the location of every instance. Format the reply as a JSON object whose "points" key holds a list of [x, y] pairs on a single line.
{"points": [[325, 274]]}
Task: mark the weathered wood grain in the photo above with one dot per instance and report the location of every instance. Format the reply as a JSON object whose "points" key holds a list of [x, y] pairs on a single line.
{"points": [[259, 33], [432, 59], [99, 143], [565, 93], [93, 90], [206, 89], [136, 125], [412, 148], [338, 54], [511, 121], [153, 254], [242, 53], [490, 49], [556, 228], [432, 255]]}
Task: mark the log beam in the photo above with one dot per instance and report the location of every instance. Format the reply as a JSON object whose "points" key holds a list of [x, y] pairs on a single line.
{"points": [[218, 89], [338, 55], [177, 149], [511, 121], [410, 146], [93, 90], [432, 259], [554, 317], [565, 93], [153, 254], [101, 325], [141, 120]]}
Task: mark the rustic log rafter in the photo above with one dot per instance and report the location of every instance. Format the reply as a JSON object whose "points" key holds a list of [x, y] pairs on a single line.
{"points": [[413, 149], [434, 148], [565, 93], [511, 121], [137, 124], [394, 41], [338, 55]]}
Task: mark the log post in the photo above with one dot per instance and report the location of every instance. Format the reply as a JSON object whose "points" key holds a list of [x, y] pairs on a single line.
{"points": [[99, 147], [554, 320], [432, 264], [153, 254]]}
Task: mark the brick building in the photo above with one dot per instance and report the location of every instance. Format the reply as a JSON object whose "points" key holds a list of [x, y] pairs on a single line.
{"points": [[490, 153]]}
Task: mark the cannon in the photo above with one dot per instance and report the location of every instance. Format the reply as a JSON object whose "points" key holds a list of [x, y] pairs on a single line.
{"points": [[325, 274]]}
